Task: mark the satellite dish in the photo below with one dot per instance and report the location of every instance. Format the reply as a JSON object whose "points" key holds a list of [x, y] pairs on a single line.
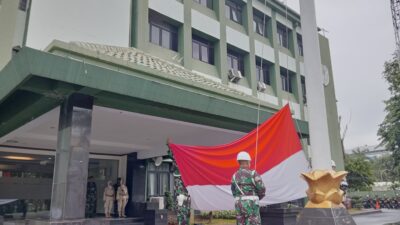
{"points": [[158, 160]]}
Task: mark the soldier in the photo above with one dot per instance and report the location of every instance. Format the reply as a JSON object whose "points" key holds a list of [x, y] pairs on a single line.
{"points": [[182, 198], [108, 198], [122, 198], [247, 189], [91, 197]]}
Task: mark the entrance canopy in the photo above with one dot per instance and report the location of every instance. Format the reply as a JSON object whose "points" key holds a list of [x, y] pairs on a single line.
{"points": [[140, 100]]}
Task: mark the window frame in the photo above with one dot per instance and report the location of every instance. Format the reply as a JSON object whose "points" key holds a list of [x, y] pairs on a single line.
{"points": [[206, 3], [163, 26], [286, 80], [265, 72], [258, 17], [201, 42], [234, 7], [303, 88], [283, 35], [232, 55], [300, 48], [157, 174]]}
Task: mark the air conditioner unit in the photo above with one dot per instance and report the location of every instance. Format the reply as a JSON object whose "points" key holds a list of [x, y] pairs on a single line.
{"points": [[261, 86], [234, 76], [159, 200]]}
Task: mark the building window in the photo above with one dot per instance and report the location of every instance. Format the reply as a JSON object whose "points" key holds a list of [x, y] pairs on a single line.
{"points": [[162, 33], [235, 61], [158, 180], [202, 50], [283, 35], [303, 89], [260, 23], [286, 79], [300, 45], [262, 72], [206, 3], [233, 11], [22, 5]]}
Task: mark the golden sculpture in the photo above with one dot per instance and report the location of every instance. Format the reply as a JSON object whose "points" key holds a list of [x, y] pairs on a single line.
{"points": [[323, 188]]}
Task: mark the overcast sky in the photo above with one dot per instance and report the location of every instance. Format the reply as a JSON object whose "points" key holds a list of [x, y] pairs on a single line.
{"points": [[360, 33]]}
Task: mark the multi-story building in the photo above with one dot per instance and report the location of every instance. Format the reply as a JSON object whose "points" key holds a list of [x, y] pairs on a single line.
{"points": [[197, 71]]}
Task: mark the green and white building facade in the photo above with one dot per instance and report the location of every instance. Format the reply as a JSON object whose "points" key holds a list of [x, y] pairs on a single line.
{"points": [[196, 71]]}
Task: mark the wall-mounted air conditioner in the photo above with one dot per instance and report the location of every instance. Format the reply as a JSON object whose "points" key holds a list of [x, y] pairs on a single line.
{"points": [[234, 76], [261, 86]]}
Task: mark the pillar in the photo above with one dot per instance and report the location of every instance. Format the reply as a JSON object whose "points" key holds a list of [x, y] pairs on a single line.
{"points": [[318, 123], [72, 158]]}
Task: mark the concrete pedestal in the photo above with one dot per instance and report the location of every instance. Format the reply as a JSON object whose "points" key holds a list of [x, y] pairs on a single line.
{"points": [[326, 216], [279, 216]]}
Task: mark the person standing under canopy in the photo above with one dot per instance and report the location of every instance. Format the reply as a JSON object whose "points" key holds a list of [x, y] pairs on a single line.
{"points": [[247, 189]]}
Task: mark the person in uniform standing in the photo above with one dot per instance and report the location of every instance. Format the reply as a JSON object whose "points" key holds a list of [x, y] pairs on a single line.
{"points": [[182, 198], [108, 198], [122, 198], [247, 189]]}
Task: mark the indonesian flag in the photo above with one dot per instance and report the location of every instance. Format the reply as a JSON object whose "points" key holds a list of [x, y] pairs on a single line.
{"points": [[207, 171]]}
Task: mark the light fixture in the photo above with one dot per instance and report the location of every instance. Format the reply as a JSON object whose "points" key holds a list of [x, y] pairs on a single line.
{"points": [[18, 157]]}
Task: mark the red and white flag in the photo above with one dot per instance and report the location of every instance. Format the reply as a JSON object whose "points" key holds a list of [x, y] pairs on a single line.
{"points": [[207, 171]]}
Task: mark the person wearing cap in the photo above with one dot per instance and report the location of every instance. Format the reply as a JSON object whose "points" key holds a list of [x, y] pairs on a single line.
{"points": [[247, 189], [182, 198], [108, 198]]}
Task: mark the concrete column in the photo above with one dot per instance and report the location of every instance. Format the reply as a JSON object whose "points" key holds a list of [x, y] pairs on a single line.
{"points": [[139, 24], [318, 125], [251, 60], [72, 158], [220, 47], [276, 75], [186, 50]]}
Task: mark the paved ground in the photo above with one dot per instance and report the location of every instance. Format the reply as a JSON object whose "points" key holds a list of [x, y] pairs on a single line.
{"points": [[387, 216]]}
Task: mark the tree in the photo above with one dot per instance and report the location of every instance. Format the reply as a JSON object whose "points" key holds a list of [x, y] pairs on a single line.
{"points": [[389, 129], [360, 177], [385, 171]]}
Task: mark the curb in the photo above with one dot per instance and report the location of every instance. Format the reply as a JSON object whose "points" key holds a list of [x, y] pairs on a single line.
{"points": [[366, 212]]}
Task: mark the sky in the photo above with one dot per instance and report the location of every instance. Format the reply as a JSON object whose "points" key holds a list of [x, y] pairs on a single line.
{"points": [[360, 33]]}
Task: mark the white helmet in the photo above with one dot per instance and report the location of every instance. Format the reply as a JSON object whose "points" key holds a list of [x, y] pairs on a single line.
{"points": [[243, 156], [333, 163]]}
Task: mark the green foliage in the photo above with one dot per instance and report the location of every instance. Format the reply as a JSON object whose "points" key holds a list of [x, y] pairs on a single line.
{"points": [[360, 175], [385, 170], [389, 129], [169, 203], [357, 202], [227, 214]]}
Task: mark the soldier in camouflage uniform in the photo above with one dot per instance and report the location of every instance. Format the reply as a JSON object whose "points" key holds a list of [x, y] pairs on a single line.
{"points": [[91, 198], [181, 195], [247, 189]]}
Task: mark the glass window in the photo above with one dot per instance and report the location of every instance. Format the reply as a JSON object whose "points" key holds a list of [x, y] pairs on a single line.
{"points": [[162, 33], [233, 11], [262, 72], [303, 89], [283, 35], [286, 79], [206, 3], [300, 45], [159, 179], [202, 50], [235, 61], [258, 23]]}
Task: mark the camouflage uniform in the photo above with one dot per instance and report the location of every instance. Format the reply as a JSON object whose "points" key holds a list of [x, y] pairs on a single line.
{"points": [[182, 211], [246, 186], [91, 199]]}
